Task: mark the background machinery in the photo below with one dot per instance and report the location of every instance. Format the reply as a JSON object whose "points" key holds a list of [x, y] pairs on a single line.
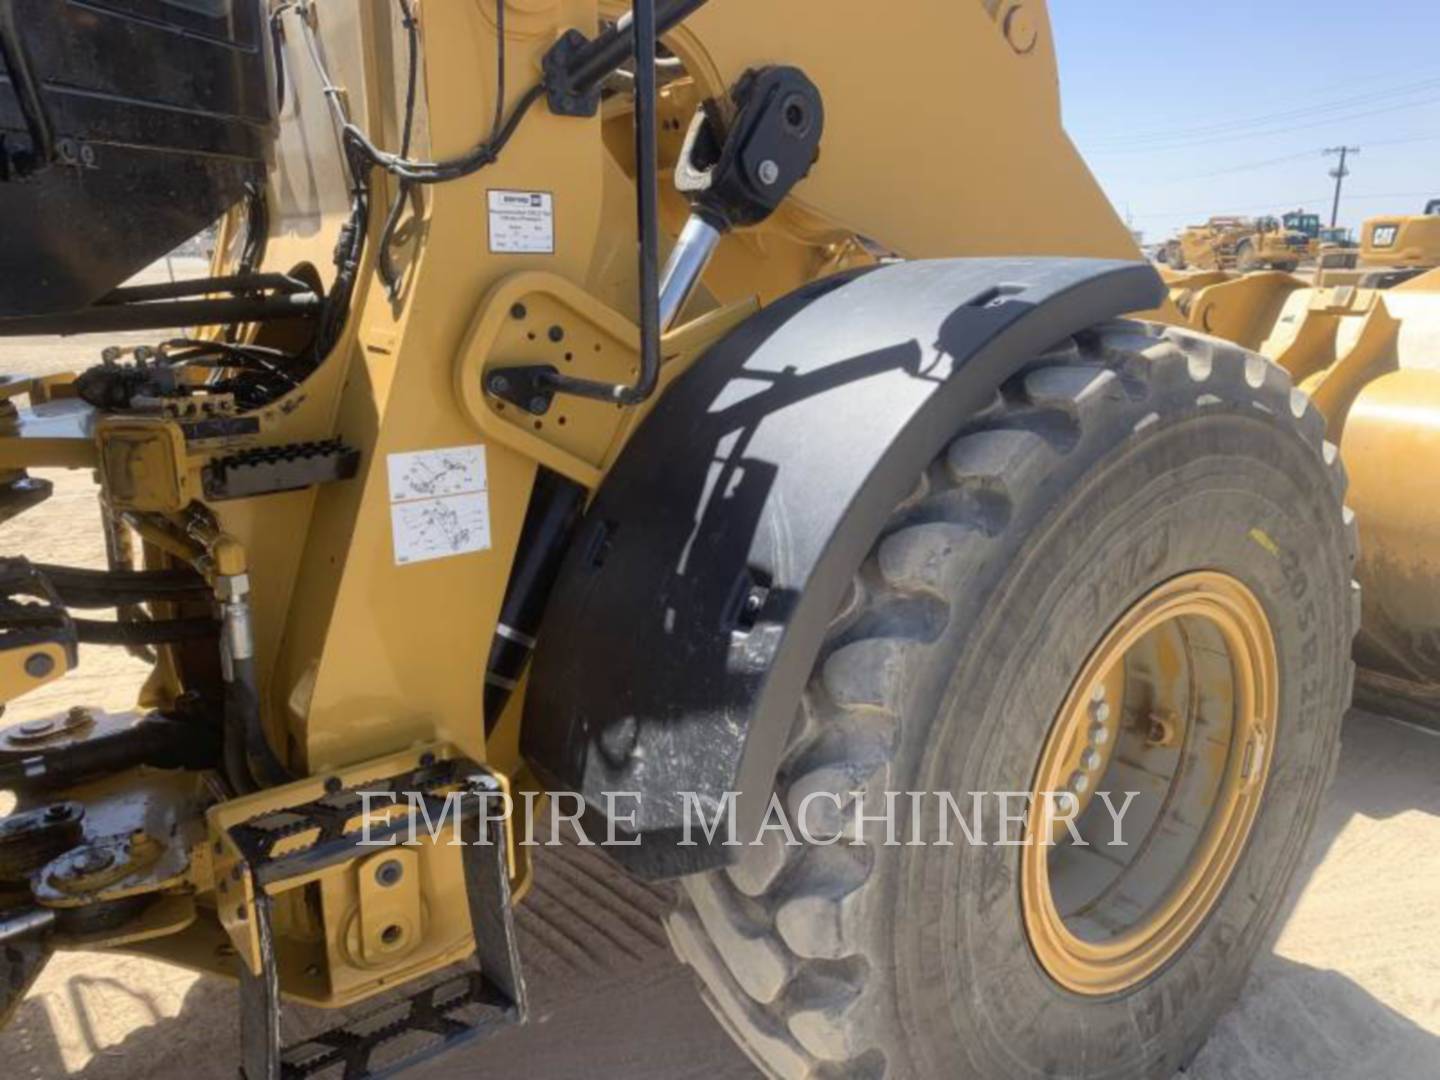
{"points": [[1391, 250], [1246, 244], [1403, 243], [457, 494]]}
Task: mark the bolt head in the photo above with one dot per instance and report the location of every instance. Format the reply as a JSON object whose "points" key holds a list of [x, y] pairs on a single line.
{"points": [[38, 665], [769, 172], [499, 384], [389, 872], [1100, 711], [36, 727], [1079, 783], [92, 860], [1090, 760], [1099, 734]]}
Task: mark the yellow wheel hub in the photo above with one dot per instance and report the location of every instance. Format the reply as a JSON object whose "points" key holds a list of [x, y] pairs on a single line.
{"points": [[1177, 704]]}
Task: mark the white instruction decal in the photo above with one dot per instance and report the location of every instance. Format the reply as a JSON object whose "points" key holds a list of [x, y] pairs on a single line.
{"points": [[439, 503], [522, 222]]}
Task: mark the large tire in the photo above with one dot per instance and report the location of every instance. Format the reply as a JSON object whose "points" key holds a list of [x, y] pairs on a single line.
{"points": [[1131, 455], [1246, 260]]}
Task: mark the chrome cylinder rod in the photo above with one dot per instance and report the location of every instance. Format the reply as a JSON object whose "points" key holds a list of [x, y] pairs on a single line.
{"points": [[687, 262], [26, 923]]}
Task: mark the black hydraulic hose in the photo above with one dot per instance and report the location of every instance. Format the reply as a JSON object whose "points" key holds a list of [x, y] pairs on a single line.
{"points": [[239, 284], [348, 250], [405, 192], [233, 742], [161, 315], [84, 588], [157, 632], [242, 715]]}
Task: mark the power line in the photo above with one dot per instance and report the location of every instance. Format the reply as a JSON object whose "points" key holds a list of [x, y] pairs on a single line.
{"points": [[1270, 133], [1250, 166], [1247, 167], [1405, 141], [1233, 124]]}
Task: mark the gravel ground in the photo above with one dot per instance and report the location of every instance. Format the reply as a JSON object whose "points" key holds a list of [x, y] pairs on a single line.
{"points": [[1348, 989]]}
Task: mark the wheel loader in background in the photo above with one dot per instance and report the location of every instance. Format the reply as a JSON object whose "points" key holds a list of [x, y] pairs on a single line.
{"points": [[456, 495], [1392, 250], [1403, 243]]}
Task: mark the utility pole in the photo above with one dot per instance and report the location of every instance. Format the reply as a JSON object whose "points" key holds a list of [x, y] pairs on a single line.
{"points": [[1339, 173]]}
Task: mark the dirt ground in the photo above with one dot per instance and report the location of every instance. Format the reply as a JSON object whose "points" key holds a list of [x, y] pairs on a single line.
{"points": [[1348, 990]]}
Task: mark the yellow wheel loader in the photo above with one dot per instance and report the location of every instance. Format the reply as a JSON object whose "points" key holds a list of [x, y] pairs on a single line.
{"points": [[1392, 250], [657, 409], [1403, 243]]}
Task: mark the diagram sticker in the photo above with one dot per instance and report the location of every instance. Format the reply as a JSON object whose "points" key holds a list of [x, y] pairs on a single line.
{"points": [[439, 503], [522, 222]]}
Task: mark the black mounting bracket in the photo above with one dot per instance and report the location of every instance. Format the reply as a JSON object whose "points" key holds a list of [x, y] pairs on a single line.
{"points": [[531, 387], [564, 96], [740, 174]]}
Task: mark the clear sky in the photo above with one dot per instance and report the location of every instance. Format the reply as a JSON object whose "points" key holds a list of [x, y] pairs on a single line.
{"points": [[1187, 109]]}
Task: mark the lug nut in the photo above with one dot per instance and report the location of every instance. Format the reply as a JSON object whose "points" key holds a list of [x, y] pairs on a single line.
{"points": [[1079, 783], [1090, 760], [769, 172], [1099, 734]]}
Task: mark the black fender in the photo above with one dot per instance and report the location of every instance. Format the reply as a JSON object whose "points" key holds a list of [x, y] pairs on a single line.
{"points": [[690, 609]]}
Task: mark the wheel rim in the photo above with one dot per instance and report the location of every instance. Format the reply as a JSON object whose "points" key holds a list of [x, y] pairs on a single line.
{"points": [[1178, 703]]}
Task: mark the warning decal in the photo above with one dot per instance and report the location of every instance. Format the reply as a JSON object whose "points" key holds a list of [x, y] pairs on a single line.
{"points": [[439, 503]]}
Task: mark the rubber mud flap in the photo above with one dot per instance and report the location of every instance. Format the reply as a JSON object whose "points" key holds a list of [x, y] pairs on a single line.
{"points": [[690, 609]]}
